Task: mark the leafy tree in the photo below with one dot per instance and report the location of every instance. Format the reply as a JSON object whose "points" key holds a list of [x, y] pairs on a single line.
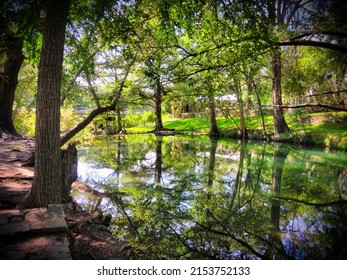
{"points": [[106, 58], [299, 24]]}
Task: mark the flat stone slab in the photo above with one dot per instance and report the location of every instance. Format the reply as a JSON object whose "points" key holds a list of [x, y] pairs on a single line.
{"points": [[37, 220], [42, 220], [56, 209], [49, 247]]}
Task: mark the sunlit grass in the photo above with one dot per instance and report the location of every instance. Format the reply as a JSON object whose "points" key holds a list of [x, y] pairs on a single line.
{"points": [[140, 129], [189, 124], [326, 129]]}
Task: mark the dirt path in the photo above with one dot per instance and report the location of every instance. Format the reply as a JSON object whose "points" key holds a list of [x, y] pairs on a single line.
{"points": [[15, 180]]}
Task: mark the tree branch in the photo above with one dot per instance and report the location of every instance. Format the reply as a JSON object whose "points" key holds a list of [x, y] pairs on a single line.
{"points": [[307, 34], [324, 204], [334, 108], [311, 43], [92, 90], [327, 93], [71, 133]]}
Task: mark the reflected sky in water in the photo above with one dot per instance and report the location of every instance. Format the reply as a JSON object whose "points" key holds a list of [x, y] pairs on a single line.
{"points": [[191, 198]]}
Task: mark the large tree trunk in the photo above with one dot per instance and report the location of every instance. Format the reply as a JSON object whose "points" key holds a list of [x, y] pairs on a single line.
{"points": [[47, 184], [214, 131], [280, 125], [8, 83], [158, 100]]}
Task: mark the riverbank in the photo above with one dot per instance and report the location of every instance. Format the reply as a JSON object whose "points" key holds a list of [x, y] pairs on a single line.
{"points": [[54, 232], [327, 130]]}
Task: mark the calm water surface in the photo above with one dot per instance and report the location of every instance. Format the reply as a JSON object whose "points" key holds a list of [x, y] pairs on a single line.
{"points": [[192, 198]]}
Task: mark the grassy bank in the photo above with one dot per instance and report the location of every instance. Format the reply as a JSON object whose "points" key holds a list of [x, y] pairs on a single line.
{"points": [[327, 130]]}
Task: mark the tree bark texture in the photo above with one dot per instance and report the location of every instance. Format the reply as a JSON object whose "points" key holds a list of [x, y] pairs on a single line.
{"points": [[47, 184], [280, 125], [8, 83]]}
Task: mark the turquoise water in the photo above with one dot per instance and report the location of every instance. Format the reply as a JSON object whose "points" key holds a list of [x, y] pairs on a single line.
{"points": [[192, 198]]}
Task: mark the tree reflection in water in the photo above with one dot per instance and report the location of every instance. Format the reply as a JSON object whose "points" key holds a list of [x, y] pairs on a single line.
{"points": [[191, 198]]}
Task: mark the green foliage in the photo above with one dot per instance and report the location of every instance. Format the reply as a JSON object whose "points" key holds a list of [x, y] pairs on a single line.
{"points": [[68, 119], [25, 121], [146, 119], [189, 50]]}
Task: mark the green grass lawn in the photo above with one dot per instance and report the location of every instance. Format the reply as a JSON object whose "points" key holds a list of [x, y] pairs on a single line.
{"points": [[323, 129]]}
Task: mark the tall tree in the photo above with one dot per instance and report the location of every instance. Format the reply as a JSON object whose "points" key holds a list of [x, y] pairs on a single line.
{"points": [[19, 23], [303, 23], [277, 12], [47, 184], [107, 57], [8, 83]]}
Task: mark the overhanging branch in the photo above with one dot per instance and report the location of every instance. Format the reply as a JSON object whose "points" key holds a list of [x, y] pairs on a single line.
{"points": [[330, 107], [311, 43], [117, 94], [327, 33]]}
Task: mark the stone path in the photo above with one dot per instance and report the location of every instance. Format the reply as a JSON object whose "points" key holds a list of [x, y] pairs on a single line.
{"points": [[39, 233]]}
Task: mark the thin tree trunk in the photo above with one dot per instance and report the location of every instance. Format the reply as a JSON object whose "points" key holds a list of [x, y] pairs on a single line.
{"points": [[257, 90], [243, 130], [158, 100], [119, 121], [8, 83], [47, 184], [280, 125], [214, 131]]}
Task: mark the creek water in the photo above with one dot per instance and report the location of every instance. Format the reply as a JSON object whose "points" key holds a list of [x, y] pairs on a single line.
{"points": [[181, 197]]}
